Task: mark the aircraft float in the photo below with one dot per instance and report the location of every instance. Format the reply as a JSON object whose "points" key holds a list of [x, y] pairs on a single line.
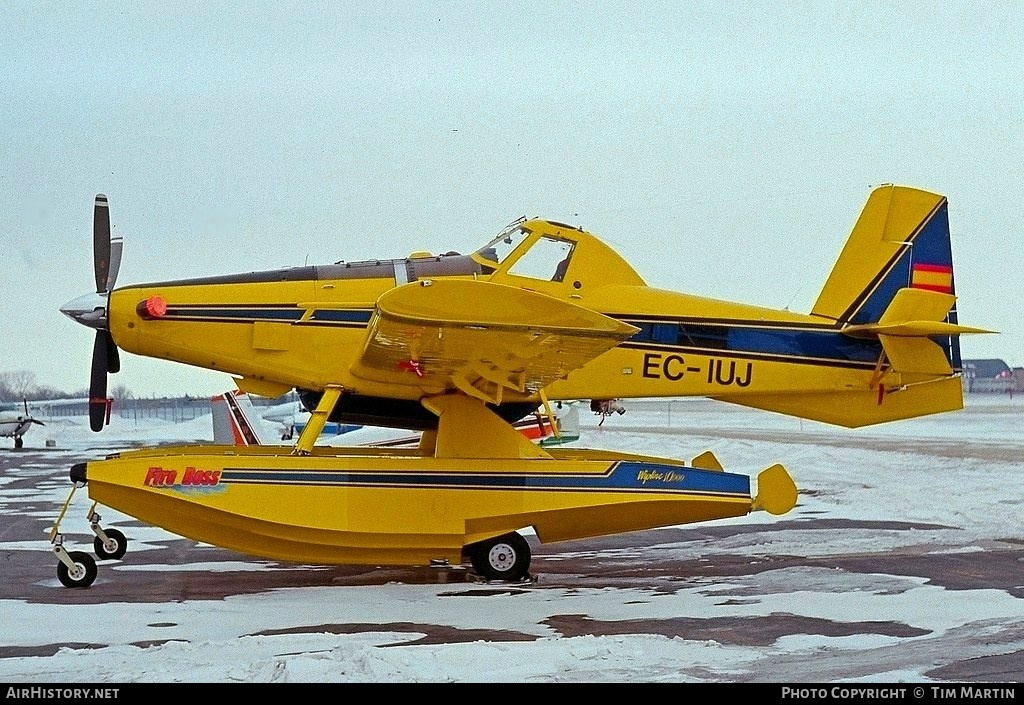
{"points": [[460, 347]]}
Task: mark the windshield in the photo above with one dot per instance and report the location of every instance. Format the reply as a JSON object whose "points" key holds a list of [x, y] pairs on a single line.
{"points": [[498, 249]]}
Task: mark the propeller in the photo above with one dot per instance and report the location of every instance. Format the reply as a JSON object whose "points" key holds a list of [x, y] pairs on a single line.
{"points": [[106, 254], [91, 310], [28, 416]]}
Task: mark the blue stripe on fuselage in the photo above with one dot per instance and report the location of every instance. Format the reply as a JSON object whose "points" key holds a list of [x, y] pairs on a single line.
{"points": [[349, 316], [285, 315], [626, 476], [733, 340], [785, 340]]}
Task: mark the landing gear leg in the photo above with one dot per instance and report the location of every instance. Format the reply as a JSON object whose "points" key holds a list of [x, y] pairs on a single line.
{"points": [[317, 420], [75, 569], [109, 544]]}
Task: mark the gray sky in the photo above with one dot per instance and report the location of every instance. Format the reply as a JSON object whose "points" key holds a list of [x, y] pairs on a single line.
{"points": [[724, 148]]}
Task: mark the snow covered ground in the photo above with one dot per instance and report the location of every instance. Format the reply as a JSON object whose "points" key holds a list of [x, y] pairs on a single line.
{"points": [[902, 562]]}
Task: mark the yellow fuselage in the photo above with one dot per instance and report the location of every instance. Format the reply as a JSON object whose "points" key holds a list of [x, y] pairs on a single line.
{"points": [[304, 328]]}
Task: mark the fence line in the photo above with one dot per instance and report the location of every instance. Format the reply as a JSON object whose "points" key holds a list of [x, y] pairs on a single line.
{"points": [[175, 409]]}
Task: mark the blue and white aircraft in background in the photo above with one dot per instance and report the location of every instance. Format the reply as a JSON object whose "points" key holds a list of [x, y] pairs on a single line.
{"points": [[15, 421]]}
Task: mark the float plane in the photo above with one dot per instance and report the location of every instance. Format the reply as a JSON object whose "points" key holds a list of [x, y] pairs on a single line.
{"points": [[460, 347]]}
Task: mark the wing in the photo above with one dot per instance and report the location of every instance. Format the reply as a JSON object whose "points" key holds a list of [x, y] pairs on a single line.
{"points": [[486, 340]]}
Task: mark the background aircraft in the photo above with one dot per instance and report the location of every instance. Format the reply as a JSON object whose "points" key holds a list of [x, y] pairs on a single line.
{"points": [[237, 421], [290, 418], [15, 421]]}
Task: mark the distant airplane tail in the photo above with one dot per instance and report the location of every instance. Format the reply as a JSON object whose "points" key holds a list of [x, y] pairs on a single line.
{"points": [[235, 421], [893, 283]]}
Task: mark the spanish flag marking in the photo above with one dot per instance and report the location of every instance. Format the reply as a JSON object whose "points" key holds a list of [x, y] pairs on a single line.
{"points": [[933, 277]]}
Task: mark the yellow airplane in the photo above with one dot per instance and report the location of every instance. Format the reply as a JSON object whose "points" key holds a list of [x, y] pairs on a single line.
{"points": [[461, 346]]}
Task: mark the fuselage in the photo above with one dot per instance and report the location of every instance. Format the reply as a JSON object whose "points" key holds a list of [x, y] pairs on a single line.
{"points": [[13, 427], [304, 327]]}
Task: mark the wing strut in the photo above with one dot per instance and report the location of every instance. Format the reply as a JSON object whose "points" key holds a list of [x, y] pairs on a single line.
{"points": [[551, 416]]}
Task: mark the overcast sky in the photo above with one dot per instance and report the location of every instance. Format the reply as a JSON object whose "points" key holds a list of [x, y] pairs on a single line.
{"points": [[725, 149]]}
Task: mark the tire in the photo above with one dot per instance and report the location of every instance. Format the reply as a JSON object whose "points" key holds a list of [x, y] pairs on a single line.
{"points": [[88, 571], [117, 548], [18, 442], [501, 558]]}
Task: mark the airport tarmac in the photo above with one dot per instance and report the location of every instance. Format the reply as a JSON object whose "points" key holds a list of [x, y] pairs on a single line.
{"points": [[903, 561]]}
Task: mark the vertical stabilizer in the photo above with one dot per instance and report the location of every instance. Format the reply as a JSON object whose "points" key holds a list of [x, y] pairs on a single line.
{"points": [[901, 241], [891, 292], [235, 421]]}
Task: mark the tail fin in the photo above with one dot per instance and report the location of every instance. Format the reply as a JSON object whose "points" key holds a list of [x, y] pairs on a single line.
{"points": [[892, 288], [900, 240], [235, 421], [894, 280]]}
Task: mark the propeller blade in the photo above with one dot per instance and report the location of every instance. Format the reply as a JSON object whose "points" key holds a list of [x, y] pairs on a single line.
{"points": [[37, 421], [113, 357], [101, 243], [116, 245], [98, 382]]}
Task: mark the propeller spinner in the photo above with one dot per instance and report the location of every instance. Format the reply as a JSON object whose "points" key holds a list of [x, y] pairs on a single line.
{"points": [[91, 310]]}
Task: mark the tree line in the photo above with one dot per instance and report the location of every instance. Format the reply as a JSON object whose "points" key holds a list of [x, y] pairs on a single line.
{"points": [[17, 385]]}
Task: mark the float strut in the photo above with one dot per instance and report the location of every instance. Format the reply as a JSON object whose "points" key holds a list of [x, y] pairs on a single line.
{"points": [[551, 417], [317, 420]]}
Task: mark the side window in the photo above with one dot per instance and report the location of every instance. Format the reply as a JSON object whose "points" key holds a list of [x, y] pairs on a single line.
{"points": [[665, 333], [548, 259]]}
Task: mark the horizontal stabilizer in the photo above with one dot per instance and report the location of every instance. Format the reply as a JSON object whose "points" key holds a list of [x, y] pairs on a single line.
{"points": [[915, 312], [911, 304], [907, 326], [911, 329]]}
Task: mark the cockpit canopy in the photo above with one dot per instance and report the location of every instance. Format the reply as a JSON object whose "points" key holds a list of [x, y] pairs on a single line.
{"points": [[544, 257], [546, 251]]}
